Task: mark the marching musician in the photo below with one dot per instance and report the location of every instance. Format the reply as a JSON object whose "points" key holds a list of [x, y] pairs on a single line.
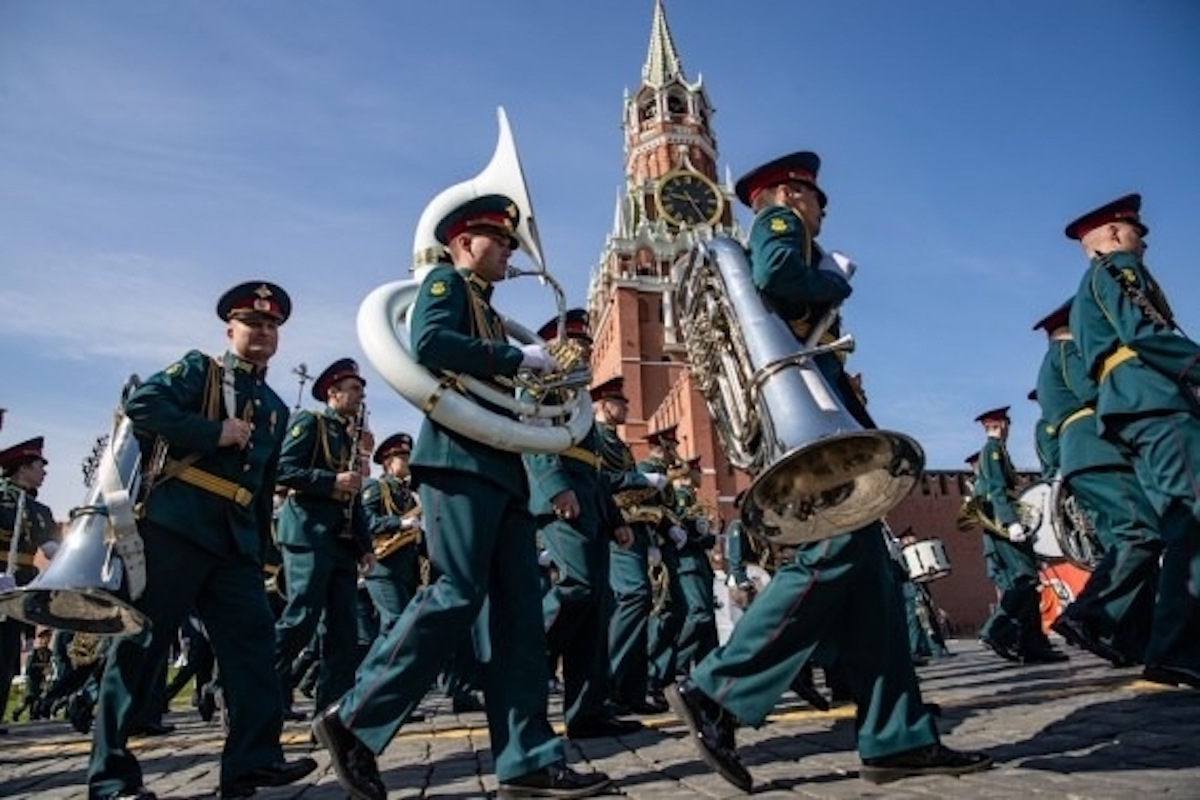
{"points": [[1014, 629], [320, 533], [481, 542], [668, 538], [577, 518], [1111, 616], [393, 516], [836, 594], [629, 567], [205, 524], [691, 580], [27, 529], [1148, 403]]}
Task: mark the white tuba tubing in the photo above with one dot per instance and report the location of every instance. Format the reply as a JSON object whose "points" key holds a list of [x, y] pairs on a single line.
{"points": [[380, 317]]}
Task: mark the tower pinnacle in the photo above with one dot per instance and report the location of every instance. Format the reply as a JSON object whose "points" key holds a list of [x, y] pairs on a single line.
{"points": [[662, 62]]}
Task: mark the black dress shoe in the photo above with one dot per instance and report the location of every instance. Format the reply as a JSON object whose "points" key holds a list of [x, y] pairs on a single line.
{"points": [[207, 703], [1172, 675], [292, 715], [713, 731], [153, 729], [140, 793], [280, 773], [1007, 652], [467, 703], [1044, 655], [352, 760], [805, 690], [646, 705], [557, 780], [1079, 634], [934, 759], [601, 727]]}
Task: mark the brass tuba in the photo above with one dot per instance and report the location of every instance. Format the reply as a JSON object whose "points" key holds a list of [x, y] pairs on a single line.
{"points": [[818, 473], [78, 590], [452, 400]]}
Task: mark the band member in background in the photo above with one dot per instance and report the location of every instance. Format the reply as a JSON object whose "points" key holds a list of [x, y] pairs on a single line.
{"points": [[481, 542], [1014, 630], [925, 639], [205, 525], [666, 619], [577, 519], [629, 567], [1147, 402], [22, 472], [690, 582], [838, 593], [1111, 617], [320, 533], [393, 516]]}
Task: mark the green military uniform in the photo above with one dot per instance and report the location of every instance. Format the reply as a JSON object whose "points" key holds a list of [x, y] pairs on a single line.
{"points": [[481, 541], [1015, 624], [321, 541], [694, 634], [387, 506], [36, 530], [1146, 374], [205, 531], [1046, 446], [837, 595], [1115, 604], [573, 609], [629, 578]]}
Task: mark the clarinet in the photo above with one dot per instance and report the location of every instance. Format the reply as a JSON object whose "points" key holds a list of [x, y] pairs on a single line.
{"points": [[354, 462]]}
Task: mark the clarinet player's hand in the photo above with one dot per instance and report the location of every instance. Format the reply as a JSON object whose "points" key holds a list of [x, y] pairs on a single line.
{"points": [[235, 433], [347, 483]]}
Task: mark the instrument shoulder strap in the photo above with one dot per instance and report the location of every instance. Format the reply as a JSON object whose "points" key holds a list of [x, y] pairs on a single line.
{"points": [[1150, 301], [210, 407]]}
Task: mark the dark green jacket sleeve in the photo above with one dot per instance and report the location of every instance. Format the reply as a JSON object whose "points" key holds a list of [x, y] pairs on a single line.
{"points": [[784, 262]]}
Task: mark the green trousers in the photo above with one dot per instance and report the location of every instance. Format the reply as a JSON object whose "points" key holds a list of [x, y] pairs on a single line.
{"points": [[481, 545], [838, 595]]}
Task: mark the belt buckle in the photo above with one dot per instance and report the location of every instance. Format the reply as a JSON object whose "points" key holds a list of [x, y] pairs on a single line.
{"points": [[243, 496]]}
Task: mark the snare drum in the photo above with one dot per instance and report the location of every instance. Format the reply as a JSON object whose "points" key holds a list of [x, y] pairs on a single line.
{"points": [[926, 560]]}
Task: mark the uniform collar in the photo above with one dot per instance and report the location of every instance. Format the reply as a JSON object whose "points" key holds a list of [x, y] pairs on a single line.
{"points": [[237, 363], [477, 283]]}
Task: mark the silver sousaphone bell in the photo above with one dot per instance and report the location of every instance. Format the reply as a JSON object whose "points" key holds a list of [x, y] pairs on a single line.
{"points": [[77, 592], [817, 472]]}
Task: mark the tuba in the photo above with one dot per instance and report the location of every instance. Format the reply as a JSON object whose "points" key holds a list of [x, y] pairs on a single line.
{"points": [[818, 473], [452, 400], [78, 590]]}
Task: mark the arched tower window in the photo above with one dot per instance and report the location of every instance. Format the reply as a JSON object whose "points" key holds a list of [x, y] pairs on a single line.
{"points": [[677, 105]]}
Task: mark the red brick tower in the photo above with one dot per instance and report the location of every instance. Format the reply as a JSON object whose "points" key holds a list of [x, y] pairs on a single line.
{"points": [[672, 196]]}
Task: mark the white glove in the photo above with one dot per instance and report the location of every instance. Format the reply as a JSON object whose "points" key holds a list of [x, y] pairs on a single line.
{"points": [[838, 263], [7, 582], [411, 523], [656, 479], [49, 549], [653, 556], [678, 536], [536, 358], [1016, 533], [544, 559]]}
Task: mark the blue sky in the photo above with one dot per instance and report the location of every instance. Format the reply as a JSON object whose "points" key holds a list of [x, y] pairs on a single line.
{"points": [[154, 154]]}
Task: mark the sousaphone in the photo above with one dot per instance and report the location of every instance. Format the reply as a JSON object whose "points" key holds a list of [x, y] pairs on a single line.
{"points": [[80, 589], [453, 400]]}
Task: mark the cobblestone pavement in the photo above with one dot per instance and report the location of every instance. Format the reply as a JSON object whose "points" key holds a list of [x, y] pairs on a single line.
{"points": [[1075, 730]]}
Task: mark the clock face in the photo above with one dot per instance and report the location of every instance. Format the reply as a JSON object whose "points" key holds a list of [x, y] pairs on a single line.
{"points": [[687, 198]]}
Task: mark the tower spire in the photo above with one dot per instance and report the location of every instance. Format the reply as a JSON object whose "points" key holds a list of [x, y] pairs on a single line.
{"points": [[662, 62]]}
